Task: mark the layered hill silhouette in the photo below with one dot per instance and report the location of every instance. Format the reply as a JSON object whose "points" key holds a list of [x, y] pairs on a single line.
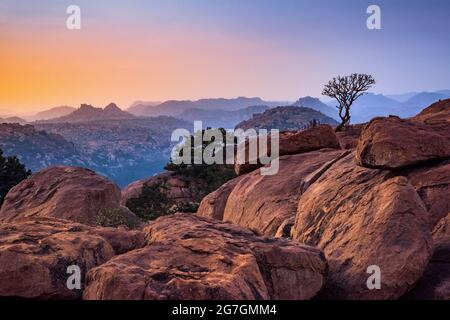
{"points": [[52, 113], [221, 118], [286, 118], [177, 107], [88, 113], [12, 120], [316, 104]]}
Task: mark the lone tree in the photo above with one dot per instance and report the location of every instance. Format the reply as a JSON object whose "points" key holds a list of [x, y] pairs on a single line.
{"points": [[11, 173], [346, 90]]}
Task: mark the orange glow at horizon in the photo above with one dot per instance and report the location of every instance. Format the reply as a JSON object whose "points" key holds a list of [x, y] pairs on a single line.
{"points": [[43, 66]]}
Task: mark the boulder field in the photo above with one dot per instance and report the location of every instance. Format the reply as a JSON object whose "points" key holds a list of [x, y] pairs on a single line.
{"points": [[375, 197], [378, 203]]}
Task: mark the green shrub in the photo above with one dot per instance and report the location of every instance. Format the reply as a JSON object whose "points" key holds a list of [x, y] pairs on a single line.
{"points": [[214, 175], [151, 203], [11, 173]]}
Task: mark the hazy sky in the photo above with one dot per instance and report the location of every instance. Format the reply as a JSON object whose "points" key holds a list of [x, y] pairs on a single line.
{"points": [[188, 49]]}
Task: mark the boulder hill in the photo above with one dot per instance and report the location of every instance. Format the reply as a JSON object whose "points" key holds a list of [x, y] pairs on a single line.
{"points": [[376, 195]]}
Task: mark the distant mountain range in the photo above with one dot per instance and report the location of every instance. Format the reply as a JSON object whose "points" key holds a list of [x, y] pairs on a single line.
{"points": [[128, 147], [221, 118], [286, 118], [316, 104], [375, 105], [88, 113], [13, 120], [52, 113], [177, 107]]}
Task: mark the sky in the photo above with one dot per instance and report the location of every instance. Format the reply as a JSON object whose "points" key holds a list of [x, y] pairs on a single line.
{"points": [[188, 49]]}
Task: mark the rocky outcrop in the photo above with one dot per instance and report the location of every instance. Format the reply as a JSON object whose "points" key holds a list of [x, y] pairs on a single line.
{"points": [[263, 203], [35, 255], [38, 149], [69, 193], [360, 218], [190, 257], [286, 118], [291, 142], [87, 113], [393, 143], [437, 115]]}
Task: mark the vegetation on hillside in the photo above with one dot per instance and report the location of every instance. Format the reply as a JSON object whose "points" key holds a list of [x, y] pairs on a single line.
{"points": [[11, 173], [214, 175], [154, 202]]}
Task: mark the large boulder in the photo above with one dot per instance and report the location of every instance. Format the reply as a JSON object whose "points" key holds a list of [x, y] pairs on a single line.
{"points": [[69, 193], [213, 205], [190, 257], [290, 142], [264, 202], [360, 218], [35, 255], [393, 143]]}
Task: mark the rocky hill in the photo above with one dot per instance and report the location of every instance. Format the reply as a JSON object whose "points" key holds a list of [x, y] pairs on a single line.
{"points": [[286, 118], [53, 113], [384, 203], [13, 120], [89, 113], [124, 150], [38, 149], [316, 104]]}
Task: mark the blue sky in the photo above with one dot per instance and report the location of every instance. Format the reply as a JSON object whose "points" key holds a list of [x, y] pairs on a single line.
{"points": [[276, 49]]}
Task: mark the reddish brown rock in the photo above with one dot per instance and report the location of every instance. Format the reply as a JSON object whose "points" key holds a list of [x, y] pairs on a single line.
{"points": [[348, 137], [393, 143], [190, 257], [436, 115], [362, 217], [121, 239], [70, 193], [213, 205], [293, 142], [432, 183], [35, 255], [435, 282], [262, 203]]}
